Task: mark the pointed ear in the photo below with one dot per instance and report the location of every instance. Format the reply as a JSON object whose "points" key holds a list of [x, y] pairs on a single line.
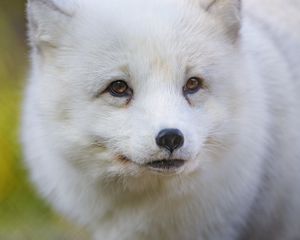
{"points": [[47, 20], [227, 11]]}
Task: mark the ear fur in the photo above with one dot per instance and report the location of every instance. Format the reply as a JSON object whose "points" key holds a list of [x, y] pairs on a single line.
{"points": [[47, 20], [227, 11]]}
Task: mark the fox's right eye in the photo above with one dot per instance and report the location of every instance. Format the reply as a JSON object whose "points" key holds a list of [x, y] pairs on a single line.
{"points": [[193, 85], [119, 88]]}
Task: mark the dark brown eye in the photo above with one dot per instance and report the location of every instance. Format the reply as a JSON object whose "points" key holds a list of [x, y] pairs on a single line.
{"points": [[119, 89], [193, 85]]}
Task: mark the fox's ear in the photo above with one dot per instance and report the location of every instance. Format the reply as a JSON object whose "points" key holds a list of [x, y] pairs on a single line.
{"points": [[227, 11], [47, 20]]}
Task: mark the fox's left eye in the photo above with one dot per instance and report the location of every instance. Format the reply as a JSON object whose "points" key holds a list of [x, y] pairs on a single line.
{"points": [[119, 88], [193, 85]]}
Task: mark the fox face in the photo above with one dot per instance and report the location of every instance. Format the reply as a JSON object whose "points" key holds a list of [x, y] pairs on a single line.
{"points": [[155, 90]]}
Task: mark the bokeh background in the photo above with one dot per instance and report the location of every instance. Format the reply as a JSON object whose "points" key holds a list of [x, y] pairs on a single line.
{"points": [[23, 215]]}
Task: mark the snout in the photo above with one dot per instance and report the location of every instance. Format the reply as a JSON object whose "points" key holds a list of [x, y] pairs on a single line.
{"points": [[169, 139]]}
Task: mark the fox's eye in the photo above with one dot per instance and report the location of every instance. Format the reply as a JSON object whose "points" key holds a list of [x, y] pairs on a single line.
{"points": [[193, 85], [119, 89]]}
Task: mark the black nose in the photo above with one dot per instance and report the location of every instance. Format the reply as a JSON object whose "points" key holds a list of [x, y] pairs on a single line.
{"points": [[170, 139]]}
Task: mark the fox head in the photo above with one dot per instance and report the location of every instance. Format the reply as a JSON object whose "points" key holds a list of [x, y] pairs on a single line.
{"points": [[138, 88]]}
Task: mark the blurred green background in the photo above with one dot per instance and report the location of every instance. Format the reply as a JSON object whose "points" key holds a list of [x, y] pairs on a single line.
{"points": [[23, 215]]}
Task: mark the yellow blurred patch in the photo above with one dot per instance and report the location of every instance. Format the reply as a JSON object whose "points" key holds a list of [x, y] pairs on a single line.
{"points": [[9, 149], [6, 169]]}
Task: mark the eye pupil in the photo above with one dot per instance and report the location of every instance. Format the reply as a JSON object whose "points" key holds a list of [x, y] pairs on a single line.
{"points": [[119, 88], [193, 85]]}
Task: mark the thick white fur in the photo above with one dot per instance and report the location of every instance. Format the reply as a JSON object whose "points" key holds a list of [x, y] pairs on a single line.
{"points": [[242, 133]]}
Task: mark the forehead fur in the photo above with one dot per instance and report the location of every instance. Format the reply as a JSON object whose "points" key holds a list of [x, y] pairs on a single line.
{"points": [[135, 17], [161, 16], [160, 25]]}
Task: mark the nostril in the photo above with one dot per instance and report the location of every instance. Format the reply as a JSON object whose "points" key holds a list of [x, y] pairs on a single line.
{"points": [[170, 139]]}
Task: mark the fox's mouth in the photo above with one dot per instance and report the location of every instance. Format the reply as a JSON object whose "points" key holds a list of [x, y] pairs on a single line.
{"points": [[166, 164], [161, 165]]}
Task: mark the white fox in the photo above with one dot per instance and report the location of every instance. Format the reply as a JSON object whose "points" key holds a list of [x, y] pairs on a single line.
{"points": [[167, 119]]}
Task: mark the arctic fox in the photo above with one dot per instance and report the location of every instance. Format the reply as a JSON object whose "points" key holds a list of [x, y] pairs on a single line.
{"points": [[167, 119]]}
